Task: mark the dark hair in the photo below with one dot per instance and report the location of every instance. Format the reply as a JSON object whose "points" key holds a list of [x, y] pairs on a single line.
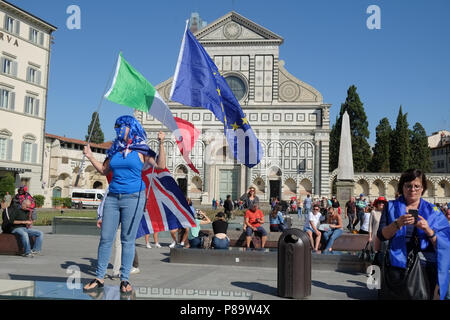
{"points": [[275, 210], [410, 175], [316, 205]]}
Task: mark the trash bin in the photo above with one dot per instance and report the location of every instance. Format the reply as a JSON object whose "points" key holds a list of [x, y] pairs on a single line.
{"points": [[294, 264]]}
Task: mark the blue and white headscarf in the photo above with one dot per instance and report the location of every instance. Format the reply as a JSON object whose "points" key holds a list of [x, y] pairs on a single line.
{"points": [[136, 138]]}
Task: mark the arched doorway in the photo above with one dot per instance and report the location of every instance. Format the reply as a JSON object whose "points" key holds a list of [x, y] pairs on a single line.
{"points": [[97, 185], [56, 192], [275, 182], [181, 174]]}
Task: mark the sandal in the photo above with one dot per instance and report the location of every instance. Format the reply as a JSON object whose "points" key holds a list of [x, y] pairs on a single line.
{"points": [[98, 285], [123, 287]]}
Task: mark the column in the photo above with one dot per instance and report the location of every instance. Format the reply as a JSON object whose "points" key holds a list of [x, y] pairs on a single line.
{"points": [[206, 176], [316, 185]]}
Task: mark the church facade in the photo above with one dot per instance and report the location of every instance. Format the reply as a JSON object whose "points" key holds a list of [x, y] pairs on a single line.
{"points": [[288, 116]]}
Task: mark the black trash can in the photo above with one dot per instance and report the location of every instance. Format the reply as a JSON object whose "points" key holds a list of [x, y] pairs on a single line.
{"points": [[294, 264]]}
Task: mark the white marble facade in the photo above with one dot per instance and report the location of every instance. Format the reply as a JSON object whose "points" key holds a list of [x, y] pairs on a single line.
{"points": [[288, 116]]}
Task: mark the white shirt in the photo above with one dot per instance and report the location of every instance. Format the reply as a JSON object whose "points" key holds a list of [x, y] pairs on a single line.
{"points": [[366, 220], [314, 218]]}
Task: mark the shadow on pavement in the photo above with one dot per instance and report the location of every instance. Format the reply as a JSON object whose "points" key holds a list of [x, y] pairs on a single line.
{"points": [[255, 286], [359, 292], [84, 268]]}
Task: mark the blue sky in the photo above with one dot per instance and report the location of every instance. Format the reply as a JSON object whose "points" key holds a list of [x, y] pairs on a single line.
{"points": [[326, 44]]}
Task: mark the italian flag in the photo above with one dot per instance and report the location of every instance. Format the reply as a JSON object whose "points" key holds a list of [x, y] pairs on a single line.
{"points": [[130, 88]]}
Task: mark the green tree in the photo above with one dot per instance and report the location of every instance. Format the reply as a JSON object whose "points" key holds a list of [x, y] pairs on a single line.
{"points": [[358, 130], [97, 134], [7, 184], [420, 152], [400, 146], [380, 158]]}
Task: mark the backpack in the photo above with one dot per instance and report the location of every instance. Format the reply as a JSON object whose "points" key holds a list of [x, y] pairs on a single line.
{"points": [[6, 222]]}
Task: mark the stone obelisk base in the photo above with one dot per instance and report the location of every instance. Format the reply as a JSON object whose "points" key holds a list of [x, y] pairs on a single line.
{"points": [[344, 190]]}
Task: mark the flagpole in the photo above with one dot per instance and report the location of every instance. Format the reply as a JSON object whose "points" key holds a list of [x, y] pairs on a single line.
{"points": [[77, 179], [154, 168]]}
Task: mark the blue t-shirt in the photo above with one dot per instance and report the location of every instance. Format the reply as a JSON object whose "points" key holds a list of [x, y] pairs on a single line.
{"points": [[277, 220], [126, 173]]}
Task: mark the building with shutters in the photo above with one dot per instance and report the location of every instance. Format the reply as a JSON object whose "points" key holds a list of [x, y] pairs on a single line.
{"points": [[288, 116], [25, 44], [62, 161]]}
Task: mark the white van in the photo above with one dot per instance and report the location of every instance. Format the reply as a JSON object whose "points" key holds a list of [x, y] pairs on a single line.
{"points": [[87, 197]]}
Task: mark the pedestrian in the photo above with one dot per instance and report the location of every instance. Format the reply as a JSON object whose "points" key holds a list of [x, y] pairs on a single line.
{"points": [[412, 223], [155, 239], [335, 204], [307, 205], [21, 225], [117, 242], [299, 208], [276, 220], [250, 198], [334, 221], [195, 241], [311, 227], [254, 219], [350, 213], [7, 199], [374, 222], [364, 229], [361, 204], [220, 227], [228, 207], [126, 198]]}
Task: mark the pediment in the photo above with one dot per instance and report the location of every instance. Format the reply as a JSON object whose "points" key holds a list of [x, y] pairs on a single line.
{"points": [[233, 28], [292, 89]]}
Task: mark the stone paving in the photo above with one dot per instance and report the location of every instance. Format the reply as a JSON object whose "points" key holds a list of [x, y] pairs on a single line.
{"points": [[62, 251]]}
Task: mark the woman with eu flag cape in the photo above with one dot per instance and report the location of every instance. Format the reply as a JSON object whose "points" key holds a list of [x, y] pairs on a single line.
{"points": [[410, 217], [125, 202]]}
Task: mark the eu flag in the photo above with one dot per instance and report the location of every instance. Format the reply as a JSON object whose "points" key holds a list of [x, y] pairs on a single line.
{"points": [[198, 83]]}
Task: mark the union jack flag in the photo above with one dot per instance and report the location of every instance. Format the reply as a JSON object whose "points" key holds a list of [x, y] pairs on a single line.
{"points": [[166, 208]]}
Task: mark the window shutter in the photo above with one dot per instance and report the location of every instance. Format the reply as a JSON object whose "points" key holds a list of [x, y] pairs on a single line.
{"points": [[34, 153], [36, 107], [17, 22], [6, 23], [9, 150], [41, 38], [12, 100], [14, 68], [30, 34], [2, 66], [29, 74], [38, 77], [23, 152], [25, 105]]}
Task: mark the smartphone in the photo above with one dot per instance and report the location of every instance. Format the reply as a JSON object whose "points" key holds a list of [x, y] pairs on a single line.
{"points": [[415, 214]]}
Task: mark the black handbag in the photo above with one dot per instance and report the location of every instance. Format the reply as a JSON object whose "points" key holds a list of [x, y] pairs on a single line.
{"points": [[367, 254], [405, 284]]}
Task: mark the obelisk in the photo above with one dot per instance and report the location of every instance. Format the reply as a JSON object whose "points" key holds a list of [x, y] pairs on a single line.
{"points": [[345, 183]]}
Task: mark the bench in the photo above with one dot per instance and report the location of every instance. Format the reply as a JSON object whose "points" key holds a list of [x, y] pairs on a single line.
{"points": [[346, 242], [263, 258], [10, 244], [75, 226]]}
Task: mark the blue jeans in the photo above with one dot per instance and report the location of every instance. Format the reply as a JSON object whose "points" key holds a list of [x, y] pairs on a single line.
{"points": [[220, 243], [126, 209], [195, 243], [299, 212], [25, 234], [329, 236]]}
